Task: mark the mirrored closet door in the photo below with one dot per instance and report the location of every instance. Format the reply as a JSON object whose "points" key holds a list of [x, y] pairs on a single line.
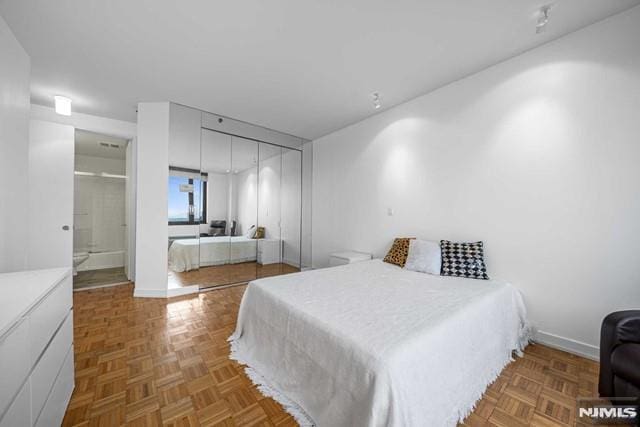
{"points": [[234, 201], [279, 210], [229, 250], [187, 189], [215, 243], [291, 212], [253, 201]]}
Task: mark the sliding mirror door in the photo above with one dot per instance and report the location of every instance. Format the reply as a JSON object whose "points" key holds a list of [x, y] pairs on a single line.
{"points": [[252, 199], [279, 210], [186, 190], [244, 192], [215, 243], [291, 211], [269, 243]]}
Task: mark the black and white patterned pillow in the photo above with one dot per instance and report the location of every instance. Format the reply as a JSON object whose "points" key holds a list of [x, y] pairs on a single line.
{"points": [[463, 260]]}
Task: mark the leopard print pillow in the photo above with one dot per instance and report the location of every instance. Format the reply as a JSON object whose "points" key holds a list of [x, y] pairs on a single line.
{"points": [[399, 251]]}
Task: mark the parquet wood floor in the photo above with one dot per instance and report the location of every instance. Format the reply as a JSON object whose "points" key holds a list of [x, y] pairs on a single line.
{"points": [[218, 275], [152, 362]]}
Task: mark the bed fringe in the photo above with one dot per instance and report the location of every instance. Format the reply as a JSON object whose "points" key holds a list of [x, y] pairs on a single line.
{"points": [[524, 338], [301, 417], [266, 389]]}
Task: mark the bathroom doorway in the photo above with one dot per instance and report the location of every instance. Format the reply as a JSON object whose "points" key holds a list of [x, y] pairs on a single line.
{"points": [[100, 211]]}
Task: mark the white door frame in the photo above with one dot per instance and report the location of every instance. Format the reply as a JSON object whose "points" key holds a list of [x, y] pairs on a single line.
{"points": [[110, 127]]}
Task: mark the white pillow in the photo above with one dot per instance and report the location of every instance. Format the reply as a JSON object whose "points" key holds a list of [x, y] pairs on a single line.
{"points": [[250, 232], [424, 256]]}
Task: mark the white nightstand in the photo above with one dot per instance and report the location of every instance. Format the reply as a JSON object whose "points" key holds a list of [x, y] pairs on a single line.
{"points": [[347, 257], [269, 251]]}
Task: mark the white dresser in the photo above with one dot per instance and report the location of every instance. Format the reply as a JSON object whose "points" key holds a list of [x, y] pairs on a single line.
{"points": [[36, 347]]}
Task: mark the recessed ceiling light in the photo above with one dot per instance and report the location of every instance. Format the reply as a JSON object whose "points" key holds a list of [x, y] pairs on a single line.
{"points": [[63, 105], [376, 100], [543, 19]]}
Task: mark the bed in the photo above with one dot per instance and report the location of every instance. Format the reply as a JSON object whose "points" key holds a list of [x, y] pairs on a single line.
{"points": [[371, 344], [189, 254]]}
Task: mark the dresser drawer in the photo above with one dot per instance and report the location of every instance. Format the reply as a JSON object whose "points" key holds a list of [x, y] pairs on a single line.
{"points": [[14, 345], [19, 413], [56, 405], [47, 369], [47, 316]]}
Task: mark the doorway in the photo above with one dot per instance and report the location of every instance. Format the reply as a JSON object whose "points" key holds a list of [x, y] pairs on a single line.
{"points": [[100, 232]]}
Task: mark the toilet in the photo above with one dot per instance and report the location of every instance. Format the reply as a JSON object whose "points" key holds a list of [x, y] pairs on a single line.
{"points": [[79, 258]]}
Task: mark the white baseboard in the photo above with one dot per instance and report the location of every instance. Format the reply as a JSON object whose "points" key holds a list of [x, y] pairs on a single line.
{"points": [[150, 293], [567, 344], [184, 290], [108, 285]]}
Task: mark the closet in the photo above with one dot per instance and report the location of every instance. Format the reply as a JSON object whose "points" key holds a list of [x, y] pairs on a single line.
{"points": [[235, 206]]}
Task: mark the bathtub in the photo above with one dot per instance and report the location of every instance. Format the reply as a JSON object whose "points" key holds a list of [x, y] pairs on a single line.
{"points": [[99, 260]]}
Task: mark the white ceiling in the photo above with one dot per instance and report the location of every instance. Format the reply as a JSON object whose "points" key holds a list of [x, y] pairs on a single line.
{"points": [[297, 66], [91, 144]]}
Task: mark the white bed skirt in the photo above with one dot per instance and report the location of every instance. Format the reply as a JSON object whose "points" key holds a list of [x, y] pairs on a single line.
{"points": [[370, 344], [190, 254]]}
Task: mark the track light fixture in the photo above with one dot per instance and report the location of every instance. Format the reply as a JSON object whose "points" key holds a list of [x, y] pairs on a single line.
{"points": [[376, 100], [543, 19]]}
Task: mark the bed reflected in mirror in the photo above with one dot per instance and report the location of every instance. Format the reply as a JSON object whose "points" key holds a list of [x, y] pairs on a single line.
{"points": [[186, 190]]}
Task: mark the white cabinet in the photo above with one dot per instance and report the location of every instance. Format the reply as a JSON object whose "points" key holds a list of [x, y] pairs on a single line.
{"points": [[48, 315], [269, 251], [36, 347], [56, 405], [14, 345], [19, 413], [48, 368]]}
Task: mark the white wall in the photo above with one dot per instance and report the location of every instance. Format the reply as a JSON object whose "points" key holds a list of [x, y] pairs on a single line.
{"points": [[95, 124], [244, 198], [151, 204], [99, 215], [94, 164], [269, 194], [15, 72], [307, 198], [129, 208], [291, 206], [99, 206], [184, 137], [217, 196], [537, 156]]}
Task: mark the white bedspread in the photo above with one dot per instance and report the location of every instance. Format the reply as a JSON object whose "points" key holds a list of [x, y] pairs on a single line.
{"points": [[371, 344], [189, 254]]}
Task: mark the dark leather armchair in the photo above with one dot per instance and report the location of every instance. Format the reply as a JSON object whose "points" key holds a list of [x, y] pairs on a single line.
{"points": [[620, 355], [218, 228]]}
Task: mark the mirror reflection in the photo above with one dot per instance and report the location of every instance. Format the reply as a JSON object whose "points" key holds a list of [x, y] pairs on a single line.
{"points": [[244, 207]]}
